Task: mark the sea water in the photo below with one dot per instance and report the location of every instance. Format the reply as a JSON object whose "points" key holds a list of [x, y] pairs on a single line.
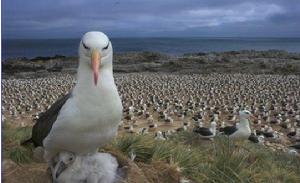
{"points": [[12, 48]]}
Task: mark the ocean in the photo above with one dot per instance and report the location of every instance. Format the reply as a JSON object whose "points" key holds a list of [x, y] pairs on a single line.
{"points": [[30, 48]]}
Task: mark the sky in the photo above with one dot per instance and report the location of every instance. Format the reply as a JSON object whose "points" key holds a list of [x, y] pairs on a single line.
{"points": [[150, 18]]}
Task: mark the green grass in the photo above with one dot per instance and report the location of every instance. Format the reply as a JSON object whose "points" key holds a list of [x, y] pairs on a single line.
{"points": [[12, 138], [201, 161], [20, 155], [218, 161]]}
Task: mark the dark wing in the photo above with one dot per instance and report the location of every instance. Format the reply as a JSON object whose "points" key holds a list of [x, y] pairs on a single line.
{"points": [[259, 132], [253, 138], [180, 129], [229, 130], [203, 131], [268, 134], [44, 124], [291, 134], [296, 146]]}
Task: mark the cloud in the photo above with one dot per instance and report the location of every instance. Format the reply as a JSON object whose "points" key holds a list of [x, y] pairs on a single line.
{"points": [[67, 18], [235, 14]]}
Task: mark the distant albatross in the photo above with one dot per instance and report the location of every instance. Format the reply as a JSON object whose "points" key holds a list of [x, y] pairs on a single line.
{"points": [[242, 130], [87, 117], [206, 133]]}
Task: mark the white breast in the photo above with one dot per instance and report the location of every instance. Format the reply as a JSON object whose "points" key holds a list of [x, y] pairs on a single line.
{"points": [[242, 133], [88, 120]]}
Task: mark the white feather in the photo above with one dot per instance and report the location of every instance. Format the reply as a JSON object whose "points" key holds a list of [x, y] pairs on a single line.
{"points": [[90, 118], [97, 168]]}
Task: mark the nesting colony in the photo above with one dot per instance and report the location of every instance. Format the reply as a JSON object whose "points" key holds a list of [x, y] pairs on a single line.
{"points": [[162, 104]]}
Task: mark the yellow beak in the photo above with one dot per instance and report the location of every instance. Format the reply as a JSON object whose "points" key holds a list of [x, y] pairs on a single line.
{"points": [[96, 60]]}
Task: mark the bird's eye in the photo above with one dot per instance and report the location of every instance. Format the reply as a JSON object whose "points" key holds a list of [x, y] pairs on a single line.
{"points": [[70, 159], [106, 46], [85, 46]]}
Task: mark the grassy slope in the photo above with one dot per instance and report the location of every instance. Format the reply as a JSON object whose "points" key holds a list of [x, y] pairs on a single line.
{"points": [[218, 161]]}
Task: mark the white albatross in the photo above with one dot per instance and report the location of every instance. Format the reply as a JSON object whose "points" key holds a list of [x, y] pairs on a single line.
{"points": [[242, 130], [88, 117], [206, 133]]}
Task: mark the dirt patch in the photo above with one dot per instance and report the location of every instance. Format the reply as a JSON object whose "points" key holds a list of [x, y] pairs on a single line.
{"points": [[26, 173]]}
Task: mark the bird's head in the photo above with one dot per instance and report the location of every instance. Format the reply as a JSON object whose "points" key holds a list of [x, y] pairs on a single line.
{"points": [[245, 114], [65, 160], [95, 49]]}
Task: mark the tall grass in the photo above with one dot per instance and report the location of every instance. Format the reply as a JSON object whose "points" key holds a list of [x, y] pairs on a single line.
{"points": [[215, 161], [219, 161], [12, 138]]}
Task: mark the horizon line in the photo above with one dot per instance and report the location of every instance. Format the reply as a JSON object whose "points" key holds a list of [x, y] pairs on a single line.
{"points": [[172, 37]]}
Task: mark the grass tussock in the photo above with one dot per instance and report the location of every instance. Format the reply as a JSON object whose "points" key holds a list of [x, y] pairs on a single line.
{"points": [[219, 161], [15, 136], [12, 138], [184, 154], [20, 155]]}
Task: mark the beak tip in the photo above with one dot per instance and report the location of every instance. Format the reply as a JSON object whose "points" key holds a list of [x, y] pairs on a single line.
{"points": [[96, 58], [61, 167], [95, 79]]}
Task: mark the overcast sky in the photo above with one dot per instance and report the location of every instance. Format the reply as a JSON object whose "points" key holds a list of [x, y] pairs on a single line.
{"points": [[150, 18]]}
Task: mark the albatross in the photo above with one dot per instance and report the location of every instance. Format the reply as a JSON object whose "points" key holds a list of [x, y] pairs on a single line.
{"points": [[242, 130], [88, 116], [99, 167], [206, 133]]}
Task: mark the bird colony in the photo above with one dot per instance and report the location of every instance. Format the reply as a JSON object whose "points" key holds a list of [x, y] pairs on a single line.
{"points": [[25, 99], [162, 104]]}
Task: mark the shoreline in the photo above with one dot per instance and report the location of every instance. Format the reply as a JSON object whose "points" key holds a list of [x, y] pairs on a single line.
{"points": [[63, 56], [244, 62]]}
